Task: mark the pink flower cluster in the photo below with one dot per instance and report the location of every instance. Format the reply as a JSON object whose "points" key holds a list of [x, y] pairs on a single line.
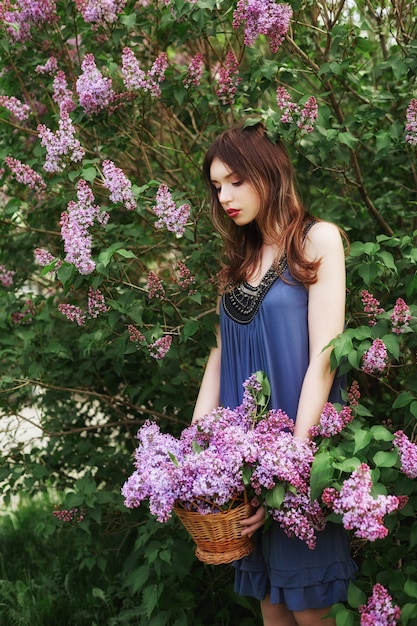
{"points": [[50, 67], [155, 286], [94, 91], [354, 394], [73, 313], [61, 94], [159, 348], [100, 12], [60, 145], [119, 185], [300, 516], [135, 78], [25, 174], [75, 224], [360, 511], [172, 217], [195, 71], [292, 112], [400, 317], [27, 13], [185, 280], [70, 515], [96, 302], [228, 79], [331, 422], [408, 454], [6, 276], [375, 359], [134, 334], [411, 125], [96, 305], [44, 258], [371, 306], [379, 610], [17, 108], [263, 17]]}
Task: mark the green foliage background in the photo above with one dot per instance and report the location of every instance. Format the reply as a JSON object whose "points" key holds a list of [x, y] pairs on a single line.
{"points": [[90, 386]]}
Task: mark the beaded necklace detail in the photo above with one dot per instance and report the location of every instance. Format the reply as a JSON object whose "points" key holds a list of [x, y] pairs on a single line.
{"points": [[242, 303]]}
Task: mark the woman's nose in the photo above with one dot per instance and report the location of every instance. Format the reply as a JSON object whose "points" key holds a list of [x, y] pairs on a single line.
{"points": [[224, 194]]}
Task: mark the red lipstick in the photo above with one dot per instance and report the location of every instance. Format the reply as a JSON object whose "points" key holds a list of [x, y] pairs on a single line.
{"points": [[232, 212]]}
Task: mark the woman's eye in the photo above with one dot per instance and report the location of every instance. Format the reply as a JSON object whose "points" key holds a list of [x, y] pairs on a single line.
{"points": [[237, 183]]}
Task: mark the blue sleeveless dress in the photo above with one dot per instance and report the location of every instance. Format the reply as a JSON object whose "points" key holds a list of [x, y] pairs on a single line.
{"points": [[266, 328]]}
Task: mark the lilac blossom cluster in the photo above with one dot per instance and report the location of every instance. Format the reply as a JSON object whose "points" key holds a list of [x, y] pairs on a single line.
{"points": [[300, 516], [61, 94], [26, 14], [160, 348], [135, 78], [375, 359], [155, 286], [185, 281], [94, 91], [172, 217], [361, 512], [96, 302], [134, 334], [73, 313], [371, 306], [379, 610], [50, 67], [408, 454], [292, 112], [44, 258], [75, 223], [100, 12], [119, 185], [228, 79], [411, 125], [17, 108], [331, 422], [263, 17], [6, 276], [205, 467], [70, 515], [354, 394], [400, 317], [25, 174], [60, 145], [24, 316], [194, 72]]}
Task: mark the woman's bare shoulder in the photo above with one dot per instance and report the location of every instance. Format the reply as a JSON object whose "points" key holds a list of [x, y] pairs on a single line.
{"points": [[323, 238]]}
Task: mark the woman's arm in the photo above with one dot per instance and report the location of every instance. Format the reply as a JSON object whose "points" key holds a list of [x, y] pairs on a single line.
{"points": [[209, 395], [326, 315]]}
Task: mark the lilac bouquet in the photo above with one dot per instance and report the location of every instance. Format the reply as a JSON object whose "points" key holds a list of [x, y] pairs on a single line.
{"points": [[225, 453]]}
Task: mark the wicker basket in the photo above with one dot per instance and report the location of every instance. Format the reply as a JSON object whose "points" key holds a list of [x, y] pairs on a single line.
{"points": [[218, 534]]}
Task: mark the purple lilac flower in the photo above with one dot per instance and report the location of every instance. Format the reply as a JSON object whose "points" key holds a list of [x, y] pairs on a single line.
{"points": [[43, 257], [195, 71], [300, 517], [400, 317], [135, 78], [96, 302], [375, 359], [70, 515], [73, 313], [94, 90], [75, 224], [6, 276], [61, 94], [360, 511], [155, 286], [119, 185], [411, 125], [100, 12], [159, 348], [60, 145], [354, 394], [25, 174], [134, 334], [263, 17], [331, 422], [371, 306], [408, 454], [185, 280], [173, 218], [228, 79], [17, 108], [379, 610], [291, 111], [27, 13], [50, 67]]}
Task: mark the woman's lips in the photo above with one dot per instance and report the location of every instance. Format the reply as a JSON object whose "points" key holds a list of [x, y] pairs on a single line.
{"points": [[233, 212]]}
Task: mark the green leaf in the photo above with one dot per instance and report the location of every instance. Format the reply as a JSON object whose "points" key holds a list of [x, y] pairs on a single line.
{"points": [[392, 344], [403, 399], [380, 433], [362, 438], [89, 174], [356, 596], [385, 459], [321, 473], [410, 588], [275, 496], [196, 447]]}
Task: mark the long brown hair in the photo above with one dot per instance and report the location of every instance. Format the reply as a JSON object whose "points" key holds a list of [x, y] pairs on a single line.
{"points": [[249, 154]]}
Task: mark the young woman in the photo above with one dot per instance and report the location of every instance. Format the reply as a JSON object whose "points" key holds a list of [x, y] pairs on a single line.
{"points": [[284, 300]]}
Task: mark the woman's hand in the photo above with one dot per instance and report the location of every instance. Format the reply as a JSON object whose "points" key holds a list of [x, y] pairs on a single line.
{"points": [[255, 521]]}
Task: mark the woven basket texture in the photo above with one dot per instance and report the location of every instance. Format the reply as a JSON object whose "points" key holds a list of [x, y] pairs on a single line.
{"points": [[218, 535]]}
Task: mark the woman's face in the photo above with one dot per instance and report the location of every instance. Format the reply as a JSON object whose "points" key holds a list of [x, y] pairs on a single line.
{"points": [[239, 199]]}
